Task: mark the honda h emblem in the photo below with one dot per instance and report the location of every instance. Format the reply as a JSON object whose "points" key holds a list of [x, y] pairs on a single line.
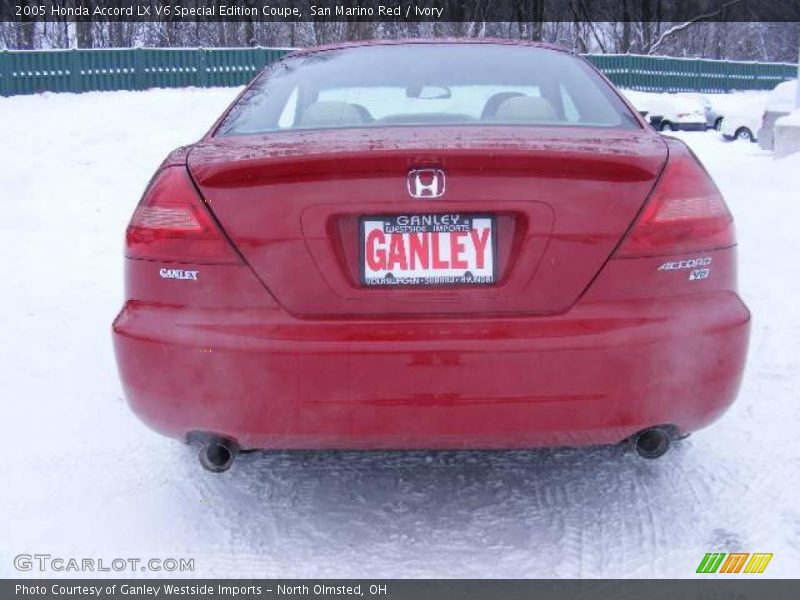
{"points": [[426, 183]]}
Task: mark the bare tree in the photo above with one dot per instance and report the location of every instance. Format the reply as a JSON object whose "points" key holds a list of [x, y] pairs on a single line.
{"points": [[619, 26]]}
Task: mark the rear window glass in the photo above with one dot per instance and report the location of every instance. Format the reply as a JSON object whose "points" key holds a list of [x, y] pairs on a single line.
{"points": [[427, 84]]}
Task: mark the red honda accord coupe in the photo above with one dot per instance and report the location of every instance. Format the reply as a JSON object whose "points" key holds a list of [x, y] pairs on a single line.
{"points": [[430, 245]]}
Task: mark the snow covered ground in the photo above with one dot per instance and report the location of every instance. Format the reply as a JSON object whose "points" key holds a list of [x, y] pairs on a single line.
{"points": [[83, 478]]}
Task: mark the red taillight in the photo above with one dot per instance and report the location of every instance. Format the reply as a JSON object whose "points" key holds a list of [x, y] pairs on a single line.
{"points": [[685, 213], [171, 224]]}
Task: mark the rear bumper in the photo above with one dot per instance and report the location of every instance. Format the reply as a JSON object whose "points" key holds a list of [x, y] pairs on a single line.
{"points": [[594, 375]]}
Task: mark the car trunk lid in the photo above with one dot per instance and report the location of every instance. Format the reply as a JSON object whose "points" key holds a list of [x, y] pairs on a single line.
{"points": [[561, 200]]}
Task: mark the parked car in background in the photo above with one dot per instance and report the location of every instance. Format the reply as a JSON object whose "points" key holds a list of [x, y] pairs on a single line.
{"points": [[669, 112], [780, 103], [743, 123], [713, 115]]}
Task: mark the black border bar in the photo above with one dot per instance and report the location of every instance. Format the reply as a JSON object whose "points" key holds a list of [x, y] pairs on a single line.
{"points": [[189, 11], [738, 587]]}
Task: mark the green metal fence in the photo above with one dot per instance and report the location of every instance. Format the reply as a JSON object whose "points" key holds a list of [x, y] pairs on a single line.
{"points": [[666, 74], [33, 71]]}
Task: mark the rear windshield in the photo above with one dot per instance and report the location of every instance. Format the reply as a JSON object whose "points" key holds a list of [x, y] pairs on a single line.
{"points": [[427, 84]]}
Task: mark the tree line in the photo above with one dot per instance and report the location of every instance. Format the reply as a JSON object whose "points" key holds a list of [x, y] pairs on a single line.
{"points": [[618, 32]]}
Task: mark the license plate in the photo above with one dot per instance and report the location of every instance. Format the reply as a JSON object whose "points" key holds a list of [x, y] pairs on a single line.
{"points": [[428, 249]]}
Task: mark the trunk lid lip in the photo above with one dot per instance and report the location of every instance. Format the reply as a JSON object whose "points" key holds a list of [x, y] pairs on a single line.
{"points": [[439, 132], [426, 143]]}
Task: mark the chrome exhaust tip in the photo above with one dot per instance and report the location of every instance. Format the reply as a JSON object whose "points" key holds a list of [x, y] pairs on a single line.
{"points": [[652, 443], [217, 455]]}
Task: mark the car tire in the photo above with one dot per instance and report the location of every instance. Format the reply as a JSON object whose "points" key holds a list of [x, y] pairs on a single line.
{"points": [[666, 126], [743, 133], [718, 124]]}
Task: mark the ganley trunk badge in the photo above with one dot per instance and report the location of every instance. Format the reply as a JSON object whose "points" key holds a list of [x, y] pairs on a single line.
{"points": [[426, 183]]}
